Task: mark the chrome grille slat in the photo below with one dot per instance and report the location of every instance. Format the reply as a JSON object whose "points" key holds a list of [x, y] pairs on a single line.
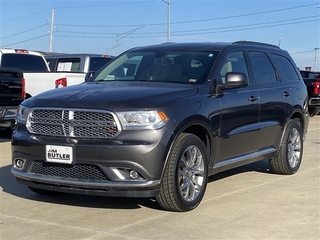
{"points": [[73, 123]]}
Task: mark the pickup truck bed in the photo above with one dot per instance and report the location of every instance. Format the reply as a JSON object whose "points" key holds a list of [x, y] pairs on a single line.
{"points": [[12, 93]]}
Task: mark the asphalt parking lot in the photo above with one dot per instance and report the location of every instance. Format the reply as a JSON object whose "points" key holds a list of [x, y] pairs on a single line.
{"points": [[246, 203]]}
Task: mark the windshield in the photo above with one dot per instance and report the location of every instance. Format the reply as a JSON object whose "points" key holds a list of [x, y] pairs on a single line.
{"points": [[173, 66]]}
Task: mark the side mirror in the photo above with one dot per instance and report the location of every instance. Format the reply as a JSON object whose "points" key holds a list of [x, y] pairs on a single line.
{"points": [[235, 80], [88, 75]]}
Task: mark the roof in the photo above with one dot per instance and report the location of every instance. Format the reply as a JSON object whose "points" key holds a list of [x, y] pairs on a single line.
{"points": [[70, 55], [205, 45], [19, 51]]}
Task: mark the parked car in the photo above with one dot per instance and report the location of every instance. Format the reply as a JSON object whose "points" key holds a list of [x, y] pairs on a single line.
{"points": [[76, 63], [312, 81], [12, 93], [158, 120]]}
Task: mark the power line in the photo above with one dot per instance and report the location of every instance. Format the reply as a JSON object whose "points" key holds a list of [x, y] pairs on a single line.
{"points": [[246, 15], [302, 52], [28, 30], [183, 22], [254, 24], [27, 40], [200, 30], [73, 7], [25, 16], [203, 31], [179, 33], [105, 5], [249, 28]]}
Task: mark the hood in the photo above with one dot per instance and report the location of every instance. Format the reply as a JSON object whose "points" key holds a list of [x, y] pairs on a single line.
{"points": [[112, 95]]}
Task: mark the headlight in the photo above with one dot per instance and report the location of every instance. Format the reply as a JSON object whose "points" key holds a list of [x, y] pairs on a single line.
{"points": [[22, 114], [142, 119]]}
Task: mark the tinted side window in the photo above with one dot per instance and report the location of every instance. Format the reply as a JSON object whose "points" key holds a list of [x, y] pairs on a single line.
{"points": [[263, 70], [26, 62], [68, 64], [286, 67], [98, 62], [312, 75], [233, 62]]}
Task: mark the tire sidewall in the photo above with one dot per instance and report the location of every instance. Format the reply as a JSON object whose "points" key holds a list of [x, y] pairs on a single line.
{"points": [[293, 124], [190, 140]]}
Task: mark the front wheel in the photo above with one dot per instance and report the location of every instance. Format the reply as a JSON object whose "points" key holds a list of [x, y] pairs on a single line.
{"points": [[289, 156], [185, 176]]}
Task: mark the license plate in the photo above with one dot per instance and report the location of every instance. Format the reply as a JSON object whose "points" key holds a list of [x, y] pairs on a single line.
{"points": [[59, 154]]}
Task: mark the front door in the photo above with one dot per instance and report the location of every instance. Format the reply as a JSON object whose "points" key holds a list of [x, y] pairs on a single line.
{"points": [[239, 114]]}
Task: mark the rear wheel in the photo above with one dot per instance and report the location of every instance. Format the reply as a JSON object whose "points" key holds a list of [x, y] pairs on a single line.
{"points": [[185, 176], [289, 156]]}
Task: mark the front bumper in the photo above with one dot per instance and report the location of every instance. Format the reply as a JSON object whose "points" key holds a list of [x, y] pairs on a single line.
{"points": [[114, 189], [99, 167]]}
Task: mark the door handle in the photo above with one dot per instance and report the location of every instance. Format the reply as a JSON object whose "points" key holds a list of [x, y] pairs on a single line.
{"points": [[253, 98], [286, 94]]}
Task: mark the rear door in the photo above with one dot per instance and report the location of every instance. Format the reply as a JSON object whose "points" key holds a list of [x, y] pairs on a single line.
{"points": [[272, 94]]}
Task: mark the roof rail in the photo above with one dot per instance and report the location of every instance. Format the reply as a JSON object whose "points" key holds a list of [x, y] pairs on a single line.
{"points": [[256, 43]]}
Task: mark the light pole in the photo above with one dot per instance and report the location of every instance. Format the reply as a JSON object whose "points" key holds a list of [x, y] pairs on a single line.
{"points": [[315, 58], [168, 22], [111, 48], [279, 42], [123, 35]]}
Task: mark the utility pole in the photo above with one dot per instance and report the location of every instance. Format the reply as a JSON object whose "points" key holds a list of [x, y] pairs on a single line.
{"points": [[315, 58], [168, 21], [51, 30]]}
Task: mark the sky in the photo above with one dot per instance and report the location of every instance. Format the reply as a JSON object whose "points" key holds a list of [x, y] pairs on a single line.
{"points": [[113, 26]]}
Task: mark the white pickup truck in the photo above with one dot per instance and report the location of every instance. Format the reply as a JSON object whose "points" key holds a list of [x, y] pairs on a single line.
{"points": [[36, 72], [75, 65]]}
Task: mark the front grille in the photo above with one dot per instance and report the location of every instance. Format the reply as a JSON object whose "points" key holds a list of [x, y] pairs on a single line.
{"points": [[78, 172], [73, 123]]}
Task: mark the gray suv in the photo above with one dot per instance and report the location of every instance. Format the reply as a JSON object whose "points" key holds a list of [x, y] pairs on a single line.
{"points": [[158, 120]]}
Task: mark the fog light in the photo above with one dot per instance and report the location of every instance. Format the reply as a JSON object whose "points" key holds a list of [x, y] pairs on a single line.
{"points": [[19, 163], [126, 174], [134, 174]]}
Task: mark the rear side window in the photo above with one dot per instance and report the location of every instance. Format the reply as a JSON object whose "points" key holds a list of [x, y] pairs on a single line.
{"points": [[25, 62], [68, 65], [286, 67], [98, 62], [263, 70]]}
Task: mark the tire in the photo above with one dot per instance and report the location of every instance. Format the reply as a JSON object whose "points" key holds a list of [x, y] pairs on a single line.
{"points": [[313, 111], [11, 128], [42, 191], [185, 176], [289, 156]]}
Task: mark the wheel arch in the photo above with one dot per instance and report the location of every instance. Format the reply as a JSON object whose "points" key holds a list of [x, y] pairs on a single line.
{"points": [[302, 117], [200, 127], [28, 95], [296, 116]]}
